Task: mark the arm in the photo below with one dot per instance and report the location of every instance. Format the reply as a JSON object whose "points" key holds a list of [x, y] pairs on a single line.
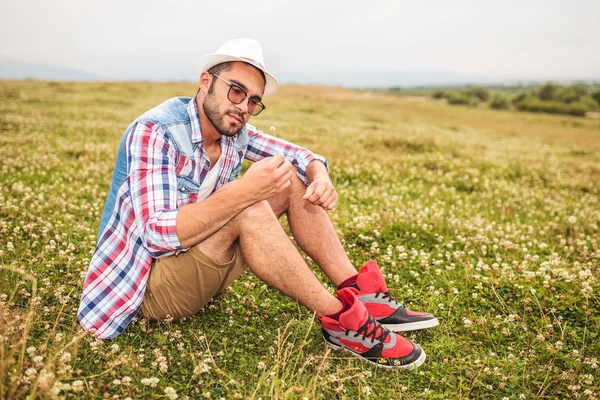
{"points": [[264, 179], [261, 145], [321, 191], [165, 229], [311, 167]]}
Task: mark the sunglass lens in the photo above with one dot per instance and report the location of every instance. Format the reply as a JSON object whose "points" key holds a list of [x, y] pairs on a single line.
{"points": [[236, 94]]}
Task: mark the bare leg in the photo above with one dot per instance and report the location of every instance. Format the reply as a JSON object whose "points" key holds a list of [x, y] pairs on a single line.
{"points": [[314, 232], [270, 255]]}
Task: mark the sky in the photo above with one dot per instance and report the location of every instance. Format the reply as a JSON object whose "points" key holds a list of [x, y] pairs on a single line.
{"points": [[333, 42]]}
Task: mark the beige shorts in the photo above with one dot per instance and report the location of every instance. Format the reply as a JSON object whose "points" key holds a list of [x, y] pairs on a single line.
{"points": [[179, 286]]}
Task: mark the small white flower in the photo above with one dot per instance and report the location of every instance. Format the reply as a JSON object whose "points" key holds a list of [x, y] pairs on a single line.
{"points": [[152, 382], [366, 390], [468, 323], [77, 386], [170, 393], [572, 219]]}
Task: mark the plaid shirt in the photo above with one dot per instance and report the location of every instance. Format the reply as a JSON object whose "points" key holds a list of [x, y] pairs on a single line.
{"points": [[155, 175]]}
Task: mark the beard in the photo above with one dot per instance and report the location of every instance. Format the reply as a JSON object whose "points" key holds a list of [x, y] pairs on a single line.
{"points": [[222, 125]]}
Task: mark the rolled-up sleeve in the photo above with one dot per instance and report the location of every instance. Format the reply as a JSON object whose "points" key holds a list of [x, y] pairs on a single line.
{"points": [[153, 184], [261, 145]]}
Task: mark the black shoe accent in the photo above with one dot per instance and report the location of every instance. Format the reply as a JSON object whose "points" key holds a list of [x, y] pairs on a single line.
{"points": [[400, 317]]}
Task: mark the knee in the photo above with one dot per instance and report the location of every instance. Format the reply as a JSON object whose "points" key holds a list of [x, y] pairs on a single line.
{"points": [[281, 203], [258, 213]]}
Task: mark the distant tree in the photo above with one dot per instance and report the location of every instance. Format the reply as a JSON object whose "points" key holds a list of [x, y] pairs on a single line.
{"points": [[547, 91], [479, 93], [438, 94], [461, 98], [596, 96], [571, 93], [499, 102], [588, 102], [520, 97]]}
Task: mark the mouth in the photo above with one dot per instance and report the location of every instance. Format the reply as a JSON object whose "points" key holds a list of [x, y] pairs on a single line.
{"points": [[235, 118]]}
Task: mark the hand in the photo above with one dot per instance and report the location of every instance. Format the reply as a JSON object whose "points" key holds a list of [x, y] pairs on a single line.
{"points": [[321, 193], [268, 177]]}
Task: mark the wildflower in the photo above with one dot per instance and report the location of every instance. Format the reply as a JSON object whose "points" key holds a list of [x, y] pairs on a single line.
{"points": [[152, 382], [77, 386], [468, 323], [572, 219], [260, 365], [170, 393], [366, 390]]}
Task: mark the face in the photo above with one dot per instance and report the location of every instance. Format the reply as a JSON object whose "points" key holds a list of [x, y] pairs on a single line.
{"points": [[229, 118]]}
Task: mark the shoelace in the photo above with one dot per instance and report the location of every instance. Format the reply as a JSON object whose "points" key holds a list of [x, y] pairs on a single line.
{"points": [[389, 295], [364, 330]]}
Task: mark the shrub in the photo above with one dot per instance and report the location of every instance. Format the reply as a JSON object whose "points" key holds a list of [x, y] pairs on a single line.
{"points": [[571, 93], [533, 104], [520, 97], [589, 102], [596, 96], [479, 93], [547, 91], [460, 98], [499, 102], [438, 94]]}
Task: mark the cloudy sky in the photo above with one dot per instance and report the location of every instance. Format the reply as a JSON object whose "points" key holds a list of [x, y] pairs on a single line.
{"points": [[310, 41]]}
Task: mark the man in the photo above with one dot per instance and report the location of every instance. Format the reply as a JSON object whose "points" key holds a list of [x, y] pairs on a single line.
{"points": [[178, 227]]}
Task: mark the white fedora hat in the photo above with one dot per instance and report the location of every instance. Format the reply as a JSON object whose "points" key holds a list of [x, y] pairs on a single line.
{"points": [[245, 50]]}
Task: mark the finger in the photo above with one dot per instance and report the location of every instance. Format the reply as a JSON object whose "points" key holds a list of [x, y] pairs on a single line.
{"points": [[282, 170], [277, 160], [331, 202], [317, 194], [287, 176], [309, 191]]}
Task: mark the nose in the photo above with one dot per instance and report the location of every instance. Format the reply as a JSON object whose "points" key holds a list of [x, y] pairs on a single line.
{"points": [[243, 106]]}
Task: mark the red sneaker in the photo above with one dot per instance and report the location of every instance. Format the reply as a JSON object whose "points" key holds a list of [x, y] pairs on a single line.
{"points": [[357, 331], [375, 295]]}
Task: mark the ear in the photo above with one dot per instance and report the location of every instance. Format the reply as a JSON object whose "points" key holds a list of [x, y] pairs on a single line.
{"points": [[204, 82]]}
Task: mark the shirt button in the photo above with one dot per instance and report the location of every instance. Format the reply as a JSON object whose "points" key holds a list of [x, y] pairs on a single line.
{"points": [[182, 188]]}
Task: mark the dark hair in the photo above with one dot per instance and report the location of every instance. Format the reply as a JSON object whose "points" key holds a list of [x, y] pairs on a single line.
{"points": [[217, 69], [226, 66]]}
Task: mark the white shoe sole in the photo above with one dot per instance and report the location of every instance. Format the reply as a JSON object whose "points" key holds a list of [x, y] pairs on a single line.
{"points": [[412, 326], [417, 363]]}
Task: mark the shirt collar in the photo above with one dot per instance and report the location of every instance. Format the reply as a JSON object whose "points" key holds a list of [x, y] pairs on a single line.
{"points": [[192, 110], [197, 137]]}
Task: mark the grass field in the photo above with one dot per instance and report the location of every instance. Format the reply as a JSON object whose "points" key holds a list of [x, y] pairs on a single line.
{"points": [[488, 219]]}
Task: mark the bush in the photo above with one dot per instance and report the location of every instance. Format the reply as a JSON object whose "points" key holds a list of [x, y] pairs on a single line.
{"points": [[547, 92], [533, 104], [520, 97], [438, 94], [499, 102], [479, 93], [460, 98], [589, 102], [596, 96], [571, 93]]}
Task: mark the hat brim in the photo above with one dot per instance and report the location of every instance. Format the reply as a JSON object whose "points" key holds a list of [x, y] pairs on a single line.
{"points": [[210, 60]]}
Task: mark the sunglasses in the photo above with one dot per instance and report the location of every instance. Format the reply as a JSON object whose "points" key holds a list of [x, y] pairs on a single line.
{"points": [[237, 95]]}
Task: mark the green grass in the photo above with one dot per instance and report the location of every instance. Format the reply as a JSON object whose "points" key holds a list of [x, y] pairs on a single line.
{"points": [[489, 219]]}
